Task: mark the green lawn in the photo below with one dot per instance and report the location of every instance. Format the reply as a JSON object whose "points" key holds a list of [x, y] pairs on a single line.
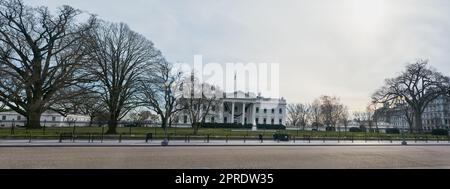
{"points": [[182, 132]]}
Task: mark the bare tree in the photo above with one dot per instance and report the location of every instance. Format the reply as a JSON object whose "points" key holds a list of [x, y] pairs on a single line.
{"points": [[86, 104], [41, 57], [199, 100], [297, 114], [365, 118], [417, 86], [119, 59], [315, 113], [331, 110], [344, 118], [161, 90], [2, 107], [138, 117]]}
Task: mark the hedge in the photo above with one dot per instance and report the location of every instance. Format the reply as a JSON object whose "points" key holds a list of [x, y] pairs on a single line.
{"points": [[355, 129], [439, 132], [392, 131], [226, 125], [268, 126]]}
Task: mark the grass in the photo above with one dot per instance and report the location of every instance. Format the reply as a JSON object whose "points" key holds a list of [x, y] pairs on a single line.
{"points": [[202, 132]]}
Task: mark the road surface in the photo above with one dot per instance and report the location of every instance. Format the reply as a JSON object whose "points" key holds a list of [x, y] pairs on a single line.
{"points": [[225, 157]]}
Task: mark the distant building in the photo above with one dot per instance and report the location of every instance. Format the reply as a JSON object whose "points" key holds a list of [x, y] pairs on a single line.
{"points": [[436, 115], [50, 119], [244, 108]]}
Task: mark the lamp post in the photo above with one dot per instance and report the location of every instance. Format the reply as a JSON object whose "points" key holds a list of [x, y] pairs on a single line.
{"points": [[403, 136]]}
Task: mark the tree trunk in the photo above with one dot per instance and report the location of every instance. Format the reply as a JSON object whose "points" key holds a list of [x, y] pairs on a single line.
{"points": [[164, 126], [418, 121], [34, 120], [195, 126], [112, 124]]}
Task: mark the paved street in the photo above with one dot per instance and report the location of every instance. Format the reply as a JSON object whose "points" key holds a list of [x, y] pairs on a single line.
{"points": [[188, 157]]}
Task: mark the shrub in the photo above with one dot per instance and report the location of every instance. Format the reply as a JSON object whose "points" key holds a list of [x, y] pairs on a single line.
{"points": [[226, 125], [439, 132], [392, 131], [355, 129], [267, 126], [330, 129]]}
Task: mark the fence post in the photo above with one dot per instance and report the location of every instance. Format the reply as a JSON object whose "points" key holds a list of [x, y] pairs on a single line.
{"points": [[103, 129], [73, 130], [309, 139], [29, 141], [89, 138], [60, 137], [226, 139], [12, 128], [43, 129], [245, 137], [120, 138], [207, 139]]}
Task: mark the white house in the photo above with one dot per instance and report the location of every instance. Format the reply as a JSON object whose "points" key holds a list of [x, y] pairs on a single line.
{"points": [[245, 108]]}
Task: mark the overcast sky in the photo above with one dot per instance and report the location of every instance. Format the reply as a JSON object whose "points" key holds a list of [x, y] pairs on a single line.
{"points": [[345, 48]]}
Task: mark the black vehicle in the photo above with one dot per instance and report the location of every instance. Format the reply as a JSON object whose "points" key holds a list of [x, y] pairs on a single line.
{"points": [[280, 137]]}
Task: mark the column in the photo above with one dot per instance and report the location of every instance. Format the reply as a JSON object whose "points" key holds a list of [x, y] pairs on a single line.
{"points": [[232, 112], [243, 113], [254, 128], [254, 114], [221, 111]]}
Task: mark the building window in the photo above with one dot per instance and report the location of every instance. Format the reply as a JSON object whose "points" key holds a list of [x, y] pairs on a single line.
{"points": [[3, 118], [19, 118], [213, 108], [235, 108], [281, 122], [265, 110], [225, 120], [273, 111], [257, 109], [53, 118], [281, 111], [257, 121], [185, 119], [212, 120], [264, 121], [272, 121]]}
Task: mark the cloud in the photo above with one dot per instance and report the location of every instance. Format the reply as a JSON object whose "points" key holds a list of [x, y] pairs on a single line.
{"points": [[345, 47]]}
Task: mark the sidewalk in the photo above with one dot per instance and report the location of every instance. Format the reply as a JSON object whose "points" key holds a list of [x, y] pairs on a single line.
{"points": [[111, 143]]}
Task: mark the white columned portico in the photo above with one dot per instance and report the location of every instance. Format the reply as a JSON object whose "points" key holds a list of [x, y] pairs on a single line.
{"points": [[243, 113], [232, 112]]}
